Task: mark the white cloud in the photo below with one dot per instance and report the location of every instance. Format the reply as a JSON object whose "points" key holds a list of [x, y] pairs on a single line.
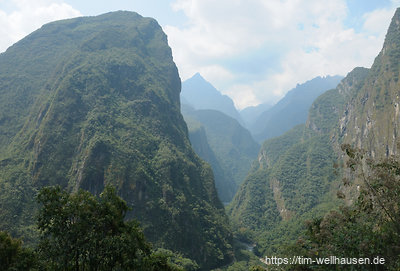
{"points": [[28, 15], [241, 101], [377, 20], [311, 35]]}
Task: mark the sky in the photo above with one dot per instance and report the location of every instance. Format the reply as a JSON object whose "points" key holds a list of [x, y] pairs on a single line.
{"points": [[251, 50]]}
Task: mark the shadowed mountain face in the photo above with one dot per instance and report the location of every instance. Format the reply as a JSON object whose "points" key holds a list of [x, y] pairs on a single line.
{"points": [[93, 101], [200, 94], [292, 109], [225, 144]]}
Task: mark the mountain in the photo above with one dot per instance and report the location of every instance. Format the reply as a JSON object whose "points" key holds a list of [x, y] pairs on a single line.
{"points": [[371, 118], [292, 109], [368, 224], [231, 147], [251, 113], [200, 94], [298, 176], [293, 178], [226, 187], [92, 101]]}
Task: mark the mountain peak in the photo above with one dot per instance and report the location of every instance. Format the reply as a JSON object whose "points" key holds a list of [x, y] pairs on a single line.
{"points": [[387, 60], [371, 117], [197, 79], [393, 34], [197, 75], [201, 94], [93, 101]]}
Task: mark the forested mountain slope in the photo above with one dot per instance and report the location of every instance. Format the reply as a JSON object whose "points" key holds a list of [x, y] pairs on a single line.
{"points": [[294, 178], [298, 174], [371, 118], [92, 101]]}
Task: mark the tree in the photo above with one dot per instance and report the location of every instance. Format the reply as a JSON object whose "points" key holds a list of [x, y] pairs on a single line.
{"points": [[369, 227], [82, 232], [13, 256]]}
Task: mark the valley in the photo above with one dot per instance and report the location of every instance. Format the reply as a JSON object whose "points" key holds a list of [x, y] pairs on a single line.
{"points": [[104, 149]]}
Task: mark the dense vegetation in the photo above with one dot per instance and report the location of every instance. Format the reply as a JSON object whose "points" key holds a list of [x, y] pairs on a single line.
{"points": [[292, 183], [82, 232], [298, 175], [294, 178], [367, 229], [94, 101], [13, 256]]}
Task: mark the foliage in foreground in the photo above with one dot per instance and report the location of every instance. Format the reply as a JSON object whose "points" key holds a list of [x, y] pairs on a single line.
{"points": [[13, 256], [367, 229], [79, 231]]}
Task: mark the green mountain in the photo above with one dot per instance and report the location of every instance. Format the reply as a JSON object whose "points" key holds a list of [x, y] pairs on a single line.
{"points": [[368, 224], [92, 101], [294, 178], [371, 119], [201, 94], [298, 175], [231, 147], [292, 109]]}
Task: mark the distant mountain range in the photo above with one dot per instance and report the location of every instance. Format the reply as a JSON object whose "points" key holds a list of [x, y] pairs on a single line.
{"points": [[216, 130], [263, 121], [291, 110]]}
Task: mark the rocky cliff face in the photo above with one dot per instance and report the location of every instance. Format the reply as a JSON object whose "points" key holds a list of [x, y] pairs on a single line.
{"points": [[371, 119], [324, 113], [93, 101]]}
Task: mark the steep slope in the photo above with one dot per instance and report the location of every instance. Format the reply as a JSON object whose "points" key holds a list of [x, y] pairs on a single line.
{"points": [[292, 109], [294, 178], [371, 119], [95, 100], [233, 146], [224, 182], [200, 94]]}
